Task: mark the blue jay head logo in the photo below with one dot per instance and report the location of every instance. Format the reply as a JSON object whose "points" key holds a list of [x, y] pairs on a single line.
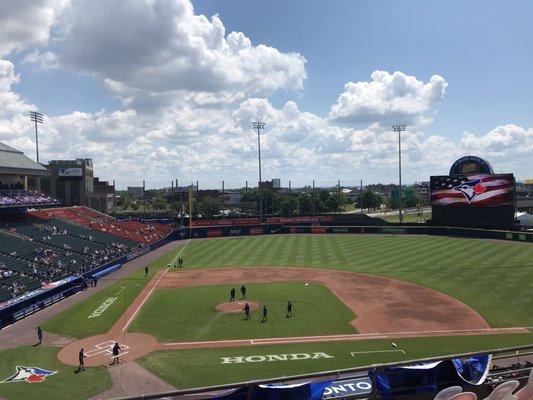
{"points": [[29, 374], [471, 189]]}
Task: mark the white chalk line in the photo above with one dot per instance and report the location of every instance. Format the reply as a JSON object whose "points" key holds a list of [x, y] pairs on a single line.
{"points": [[211, 342], [144, 301], [377, 351], [181, 250], [330, 338], [120, 291], [151, 290]]}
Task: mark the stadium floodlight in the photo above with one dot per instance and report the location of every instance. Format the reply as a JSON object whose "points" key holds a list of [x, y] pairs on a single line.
{"points": [[399, 128], [258, 126], [37, 118]]}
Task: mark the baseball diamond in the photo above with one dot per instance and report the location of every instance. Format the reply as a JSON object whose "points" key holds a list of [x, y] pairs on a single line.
{"points": [[172, 317]]}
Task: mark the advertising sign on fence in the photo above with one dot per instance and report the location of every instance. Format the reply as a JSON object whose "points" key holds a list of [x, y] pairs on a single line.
{"points": [[214, 232], [300, 220], [225, 222]]}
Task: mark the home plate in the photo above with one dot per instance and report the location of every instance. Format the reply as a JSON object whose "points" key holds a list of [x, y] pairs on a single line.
{"points": [[106, 349]]}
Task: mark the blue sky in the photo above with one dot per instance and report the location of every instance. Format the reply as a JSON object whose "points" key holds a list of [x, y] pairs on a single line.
{"points": [[109, 85], [482, 48]]}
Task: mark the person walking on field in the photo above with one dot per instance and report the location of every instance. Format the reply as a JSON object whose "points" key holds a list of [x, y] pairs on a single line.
{"points": [[81, 357], [116, 352], [232, 294], [243, 292], [246, 311], [265, 312], [289, 310], [40, 335], [146, 271]]}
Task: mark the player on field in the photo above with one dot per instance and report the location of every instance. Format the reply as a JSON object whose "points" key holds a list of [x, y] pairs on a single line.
{"points": [[289, 310], [246, 310], [40, 335], [232, 294], [265, 312], [81, 356], [146, 271], [116, 352], [243, 292]]}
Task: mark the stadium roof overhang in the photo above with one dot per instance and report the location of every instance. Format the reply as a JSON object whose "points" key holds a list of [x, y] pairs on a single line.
{"points": [[14, 162]]}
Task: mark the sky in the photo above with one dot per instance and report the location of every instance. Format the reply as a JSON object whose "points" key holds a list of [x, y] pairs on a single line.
{"points": [[158, 90]]}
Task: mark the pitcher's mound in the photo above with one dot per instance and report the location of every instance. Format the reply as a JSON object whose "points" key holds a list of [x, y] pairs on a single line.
{"points": [[235, 306]]}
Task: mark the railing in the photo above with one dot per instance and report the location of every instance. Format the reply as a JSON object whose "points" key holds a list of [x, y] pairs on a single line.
{"points": [[332, 374]]}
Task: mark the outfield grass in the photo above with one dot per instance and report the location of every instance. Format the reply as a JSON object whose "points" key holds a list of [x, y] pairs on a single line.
{"points": [[189, 314], [197, 368], [495, 278], [64, 385], [75, 321]]}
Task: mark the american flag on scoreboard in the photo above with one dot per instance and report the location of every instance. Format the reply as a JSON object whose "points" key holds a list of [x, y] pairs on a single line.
{"points": [[474, 190]]}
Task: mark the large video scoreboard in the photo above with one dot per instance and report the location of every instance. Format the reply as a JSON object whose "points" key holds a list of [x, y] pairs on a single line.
{"points": [[472, 195]]}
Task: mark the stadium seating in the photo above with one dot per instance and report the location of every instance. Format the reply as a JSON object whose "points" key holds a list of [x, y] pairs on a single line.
{"points": [[24, 198], [132, 230], [48, 245]]}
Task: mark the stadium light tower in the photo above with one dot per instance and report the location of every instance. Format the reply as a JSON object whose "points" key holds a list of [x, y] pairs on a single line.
{"points": [[399, 129], [258, 126], [36, 117]]}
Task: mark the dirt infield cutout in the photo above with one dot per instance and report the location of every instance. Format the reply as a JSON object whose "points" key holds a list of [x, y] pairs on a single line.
{"points": [[385, 308], [236, 306]]}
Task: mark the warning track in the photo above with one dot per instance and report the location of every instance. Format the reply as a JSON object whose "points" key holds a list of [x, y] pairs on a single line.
{"points": [[385, 309]]}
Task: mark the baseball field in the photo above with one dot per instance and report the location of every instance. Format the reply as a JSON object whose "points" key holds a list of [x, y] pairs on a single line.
{"points": [[353, 297]]}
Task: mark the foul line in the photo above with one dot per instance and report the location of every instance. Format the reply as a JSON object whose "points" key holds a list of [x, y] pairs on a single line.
{"points": [[151, 290], [182, 248], [144, 301], [376, 351], [335, 338]]}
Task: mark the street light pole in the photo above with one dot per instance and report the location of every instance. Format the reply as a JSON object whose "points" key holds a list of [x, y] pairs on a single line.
{"points": [[399, 129], [258, 126], [36, 117]]}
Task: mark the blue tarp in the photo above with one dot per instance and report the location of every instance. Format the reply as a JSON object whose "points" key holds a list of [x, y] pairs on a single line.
{"points": [[301, 391], [107, 271], [431, 377]]}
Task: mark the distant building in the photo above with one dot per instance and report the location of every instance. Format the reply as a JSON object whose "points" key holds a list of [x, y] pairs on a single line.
{"points": [[274, 184], [199, 195], [72, 181], [102, 198], [18, 170], [135, 192]]}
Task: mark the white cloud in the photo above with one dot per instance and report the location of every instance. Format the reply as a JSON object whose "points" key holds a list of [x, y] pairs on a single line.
{"points": [[11, 106], [27, 22], [45, 61], [507, 148], [165, 48], [388, 98], [219, 143]]}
